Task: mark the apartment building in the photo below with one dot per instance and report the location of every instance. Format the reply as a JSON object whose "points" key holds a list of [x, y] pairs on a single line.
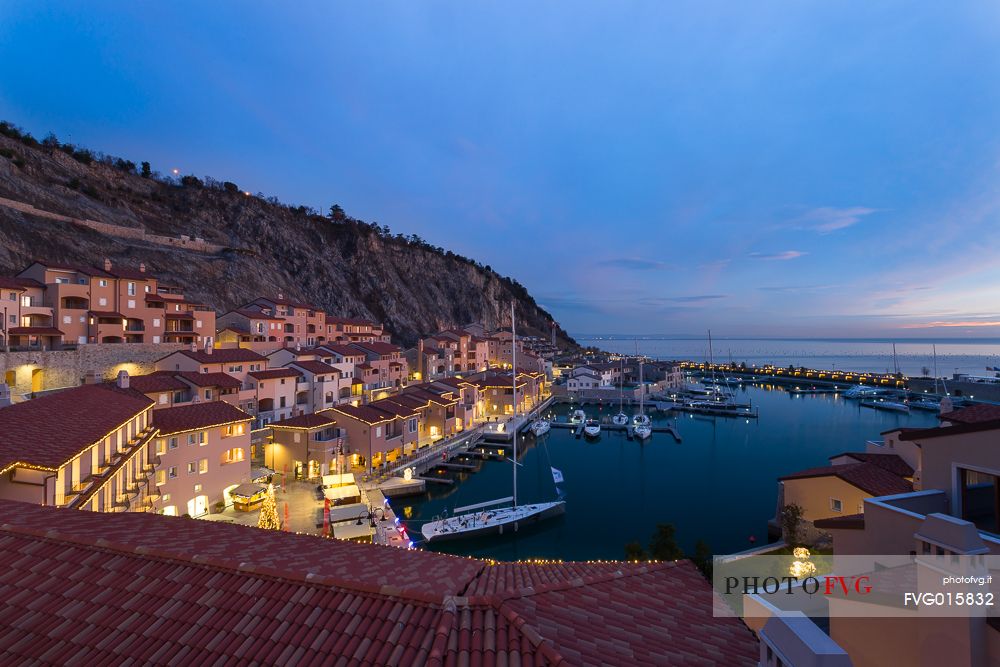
{"points": [[83, 448], [302, 323], [249, 325], [951, 511], [388, 361], [203, 451], [354, 330], [320, 386], [378, 432], [89, 305], [306, 446]]}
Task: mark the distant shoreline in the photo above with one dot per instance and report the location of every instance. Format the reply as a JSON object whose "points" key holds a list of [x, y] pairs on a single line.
{"points": [[927, 340]]}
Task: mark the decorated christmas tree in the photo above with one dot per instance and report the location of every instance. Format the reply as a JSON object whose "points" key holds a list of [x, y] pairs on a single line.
{"points": [[269, 511]]}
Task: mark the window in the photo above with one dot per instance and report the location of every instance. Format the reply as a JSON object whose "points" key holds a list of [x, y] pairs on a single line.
{"points": [[173, 443], [156, 321], [234, 455], [67, 319], [13, 319], [147, 289], [172, 472], [163, 400], [161, 477], [197, 438], [156, 339], [192, 467], [413, 425], [235, 429], [102, 301], [202, 466], [131, 303], [13, 296], [208, 393], [161, 446], [102, 283], [26, 301], [131, 289], [836, 505], [378, 432]]}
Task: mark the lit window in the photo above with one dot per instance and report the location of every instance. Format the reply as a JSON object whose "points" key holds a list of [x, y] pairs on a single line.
{"points": [[203, 466], [192, 467], [131, 289]]}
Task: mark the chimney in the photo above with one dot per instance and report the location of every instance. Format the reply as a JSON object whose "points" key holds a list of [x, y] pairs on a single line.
{"points": [[91, 377], [122, 379], [280, 295], [107, 264], [298, 346], [420, 359], [142, 267], [5, 399], [208, 345], [194, 346], [196, 398]]}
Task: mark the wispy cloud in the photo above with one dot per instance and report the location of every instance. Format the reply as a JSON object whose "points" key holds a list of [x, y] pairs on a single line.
{"points": [[795, 289], [968, 323], [693, 298], [635, 264], [780, 256], [828, 219]]}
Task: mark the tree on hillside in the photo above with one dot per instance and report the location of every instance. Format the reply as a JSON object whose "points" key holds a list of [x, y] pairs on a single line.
{"points": [[146, 170], [337, 213], [663, 546]]}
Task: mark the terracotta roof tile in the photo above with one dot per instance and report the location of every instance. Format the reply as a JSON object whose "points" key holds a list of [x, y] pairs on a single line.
{"points": [[273, 373], [868, 477], [315, 367], [974, 414], [156, 382], [78, 417], [222, 355], [891, 462], [197, 416], [311, 420], [217, 379]]}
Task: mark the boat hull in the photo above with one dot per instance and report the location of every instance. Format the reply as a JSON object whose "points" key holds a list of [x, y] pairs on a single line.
{"points": [[499, 523]]}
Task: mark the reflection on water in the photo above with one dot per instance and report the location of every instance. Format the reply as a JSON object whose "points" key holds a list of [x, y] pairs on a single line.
{"points": [[719, 484], [855, 355]]}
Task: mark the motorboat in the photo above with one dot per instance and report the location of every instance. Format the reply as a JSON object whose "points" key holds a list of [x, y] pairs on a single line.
{"points": [[540, 427], [577, 417], [592, 428]]}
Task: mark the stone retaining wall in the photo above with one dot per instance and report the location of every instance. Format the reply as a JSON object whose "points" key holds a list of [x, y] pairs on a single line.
{"points": [[57, 369]]}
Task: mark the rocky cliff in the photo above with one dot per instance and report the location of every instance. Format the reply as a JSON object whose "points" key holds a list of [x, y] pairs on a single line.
{"points": [[253, 245]]}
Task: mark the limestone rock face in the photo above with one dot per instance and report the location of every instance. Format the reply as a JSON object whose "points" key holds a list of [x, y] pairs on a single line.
{"points": [[346, 266]]}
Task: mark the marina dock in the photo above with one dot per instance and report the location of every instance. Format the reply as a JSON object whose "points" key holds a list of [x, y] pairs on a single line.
{"points": [[578, 429]]}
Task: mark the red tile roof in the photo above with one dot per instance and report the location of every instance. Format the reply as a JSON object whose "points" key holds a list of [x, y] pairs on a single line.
{"points": [[891, 462], [50, 430], [156, 589], [365, 413], [197, 416], [312, 420], [315, 367], [974, 414], [911, 434], [155, 382], [223, 355], [272, 373], [217, 379], [868, 477], [19, 284], [255, 314], [341, 350], [377, 347]]}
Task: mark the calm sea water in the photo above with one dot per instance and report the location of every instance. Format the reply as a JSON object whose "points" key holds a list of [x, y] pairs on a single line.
{"points": [[719, 484], [953, 355]]}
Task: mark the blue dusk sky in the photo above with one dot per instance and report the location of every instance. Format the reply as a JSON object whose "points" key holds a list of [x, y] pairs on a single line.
{"points": [[767, 168]]}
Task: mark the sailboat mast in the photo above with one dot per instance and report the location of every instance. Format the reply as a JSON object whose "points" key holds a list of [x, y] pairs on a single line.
{"points": [[934, 351], [513, 364]]}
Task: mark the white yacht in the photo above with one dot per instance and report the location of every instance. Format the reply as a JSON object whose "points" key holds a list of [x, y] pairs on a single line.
{"points": [[592, 428], [577, 417], [540, 427], [891, 406], [862, 391], [478, 519], [621, 419], [642, 432]]}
